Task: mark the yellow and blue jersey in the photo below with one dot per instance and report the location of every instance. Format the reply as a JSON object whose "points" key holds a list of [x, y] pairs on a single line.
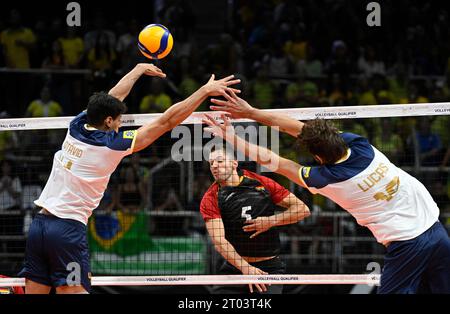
{"points": [[382, 197], [82, 168]]}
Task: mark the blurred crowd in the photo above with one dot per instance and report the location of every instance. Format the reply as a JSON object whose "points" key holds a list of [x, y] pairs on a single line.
{"points": [[289, 54]]}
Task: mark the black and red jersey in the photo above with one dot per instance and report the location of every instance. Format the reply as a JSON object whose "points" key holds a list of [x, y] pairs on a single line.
{"points": [[255, 196]]}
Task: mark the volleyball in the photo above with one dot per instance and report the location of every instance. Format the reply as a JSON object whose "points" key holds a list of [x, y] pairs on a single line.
{"points": [[155, 41]]}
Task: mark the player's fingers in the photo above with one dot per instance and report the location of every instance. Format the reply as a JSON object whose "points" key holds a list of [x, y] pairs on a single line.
{"points": [[250, 287], [228, 97], [229, 77], [160, 74], [258, 286], [249, 228], [211, 119], [234, 90], [219, 102], [255, 234], [218, 108], [211, 78], [233, 93], [226, 120], [232, 82]]}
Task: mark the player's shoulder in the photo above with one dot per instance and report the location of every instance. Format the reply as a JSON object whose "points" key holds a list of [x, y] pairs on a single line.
{"points": [[211, 192], [122, 140], [360, 149], [252, 175], [350, 138]]}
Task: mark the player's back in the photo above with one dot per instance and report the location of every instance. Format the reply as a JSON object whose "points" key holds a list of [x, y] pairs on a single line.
{"points": [[82, 168], [390, 202]]}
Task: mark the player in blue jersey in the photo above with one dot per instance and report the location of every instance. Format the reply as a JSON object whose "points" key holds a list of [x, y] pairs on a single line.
{"points": [[56, 251], [393, 205]]}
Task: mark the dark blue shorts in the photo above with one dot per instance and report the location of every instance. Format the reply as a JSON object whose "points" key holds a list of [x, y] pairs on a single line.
{"points": [[57, 253], [419, 265]]}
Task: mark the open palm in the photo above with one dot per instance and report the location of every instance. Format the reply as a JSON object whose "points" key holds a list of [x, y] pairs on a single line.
{"points": [[237, 107], [224, 130]]}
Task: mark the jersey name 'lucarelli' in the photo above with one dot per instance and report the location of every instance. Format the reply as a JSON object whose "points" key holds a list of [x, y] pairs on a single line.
{"points": [[382, 197], [82, 168]]}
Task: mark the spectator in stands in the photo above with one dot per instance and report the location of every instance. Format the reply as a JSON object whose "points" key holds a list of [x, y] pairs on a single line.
{"points": [[56, 58], [133, 186], [302, 93], [369, 63], [100, 30], [339, 62], [226, 56], [72, 47], [311, 65], [338, 95], [295, 48], [387, 140], [10, 187], [279, 64], [261, 89], [398, 81], [45, 106], [101, 57], [430, 146], [158, 100], [126, 47], [169, 225], [188, 83], [366, 95], [415, 94], [9, 141], [17, 42]]}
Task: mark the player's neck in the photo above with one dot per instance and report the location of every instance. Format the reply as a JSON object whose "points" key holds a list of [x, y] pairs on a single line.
{"points": [[233, 180]]}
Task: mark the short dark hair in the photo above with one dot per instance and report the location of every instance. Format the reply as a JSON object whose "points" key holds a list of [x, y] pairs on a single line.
{"points": [[101, 105], [320, 137]]}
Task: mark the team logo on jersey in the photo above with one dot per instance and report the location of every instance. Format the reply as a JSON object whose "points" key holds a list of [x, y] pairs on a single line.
{"points": [[129, 134], [260, 188], [306, 171]]}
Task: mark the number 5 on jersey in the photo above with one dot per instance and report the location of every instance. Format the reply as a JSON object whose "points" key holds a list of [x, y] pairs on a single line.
{"points": [[244, 212]]}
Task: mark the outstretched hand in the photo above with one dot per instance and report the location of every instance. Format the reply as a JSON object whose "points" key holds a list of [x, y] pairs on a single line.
{"points": [[151, 70], [220, 87], [224, 130], [237, 107]]}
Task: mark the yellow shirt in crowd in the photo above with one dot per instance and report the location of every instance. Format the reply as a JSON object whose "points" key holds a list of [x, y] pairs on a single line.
{"points": [[72, 49], [16, 55], [38, 109]]}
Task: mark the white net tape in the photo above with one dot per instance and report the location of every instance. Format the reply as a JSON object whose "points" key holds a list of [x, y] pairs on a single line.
{"points": [[368, 279], [347, 112]]}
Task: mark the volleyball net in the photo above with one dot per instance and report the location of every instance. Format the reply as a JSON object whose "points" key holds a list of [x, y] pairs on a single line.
{"points": [[148, 229]]}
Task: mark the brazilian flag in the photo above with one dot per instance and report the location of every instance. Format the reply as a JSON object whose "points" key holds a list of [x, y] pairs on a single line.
{"points": [[120, 244]]}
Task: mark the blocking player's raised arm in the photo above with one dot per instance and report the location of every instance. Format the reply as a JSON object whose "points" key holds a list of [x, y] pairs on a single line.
{"points": [[124, 86], [238, 108], [261, 155], [176, 114]]}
